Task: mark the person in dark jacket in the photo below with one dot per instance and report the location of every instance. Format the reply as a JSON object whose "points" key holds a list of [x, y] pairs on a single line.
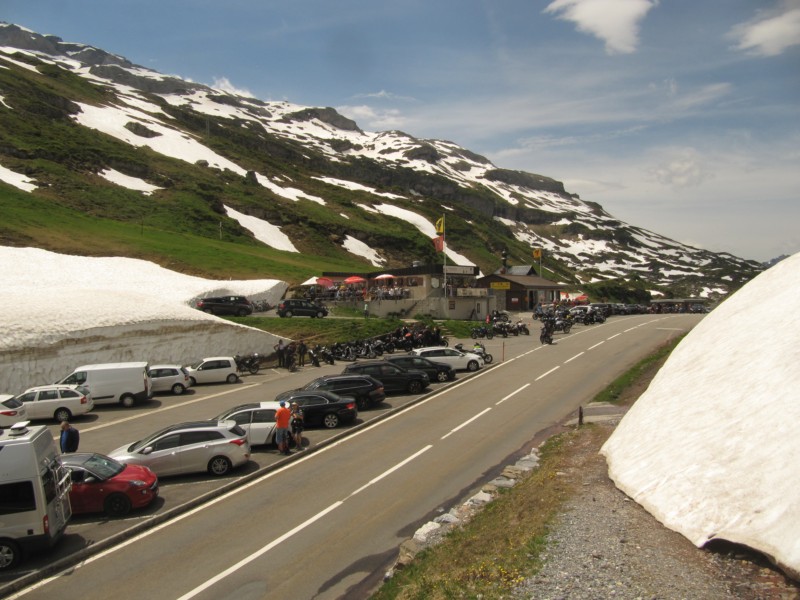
{"points": [[70, 438]]}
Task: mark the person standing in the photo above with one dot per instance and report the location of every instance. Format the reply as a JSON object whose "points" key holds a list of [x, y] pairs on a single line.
{"points": [[302, 349], [298, 424], [282, 417], [280, 350], [70, 438]]}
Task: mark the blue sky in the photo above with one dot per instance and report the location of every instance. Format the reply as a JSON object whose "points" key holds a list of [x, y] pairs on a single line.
{"points": [[680, 116]]}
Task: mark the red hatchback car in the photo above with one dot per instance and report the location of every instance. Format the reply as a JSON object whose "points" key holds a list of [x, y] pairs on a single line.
{"points": [[102, 484]]}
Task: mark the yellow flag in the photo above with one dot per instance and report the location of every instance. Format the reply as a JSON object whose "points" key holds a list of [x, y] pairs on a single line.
{"points": [[537, 253], [440, 226]]}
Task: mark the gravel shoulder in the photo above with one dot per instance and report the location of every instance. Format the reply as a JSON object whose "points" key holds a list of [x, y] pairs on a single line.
{"points": [[605, 545]]}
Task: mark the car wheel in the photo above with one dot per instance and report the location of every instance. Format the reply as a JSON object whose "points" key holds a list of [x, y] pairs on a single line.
{"points": [[320, 314], [473, 365], [62, 414], [127, 400], [288, 314], [9, 554], [330, 421], [232, 378], [243, 312], [178, 389], [414, 387], [117, 505], [193, 381], [441, 376], [219, 466]]}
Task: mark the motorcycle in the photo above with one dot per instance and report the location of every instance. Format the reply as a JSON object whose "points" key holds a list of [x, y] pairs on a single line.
{"points": [[546, 335], [478, 349], [482, 332], [519, 328], [500, 328], [250, 363], [500, 315]]}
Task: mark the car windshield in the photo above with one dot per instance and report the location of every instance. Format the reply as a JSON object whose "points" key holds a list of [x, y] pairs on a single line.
{"points": [[103, 466]]}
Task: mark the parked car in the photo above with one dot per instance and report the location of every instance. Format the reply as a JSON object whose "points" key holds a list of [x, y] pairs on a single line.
{"points": [[466, 361], [169, 378], [226, 305], [322, 408], [213, 446], [300, 308], [256, 418], [367, 390], [102, 484], [436, 371], [393, 377], [11, 410], [216, 369], [59, 402]]}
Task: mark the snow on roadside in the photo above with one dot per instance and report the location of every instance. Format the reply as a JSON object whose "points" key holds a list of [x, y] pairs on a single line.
{"points": [[711, 448], [63, 311]]}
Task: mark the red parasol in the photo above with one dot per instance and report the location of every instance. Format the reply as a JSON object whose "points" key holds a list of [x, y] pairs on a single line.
{"points": [[385, 276], [354, 279], [324, 281]]}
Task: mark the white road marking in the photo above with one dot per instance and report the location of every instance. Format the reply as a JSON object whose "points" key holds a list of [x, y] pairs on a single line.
{"points": [[465, 423], [574, 357], [543, 375], [512, 394], [596, 345]]}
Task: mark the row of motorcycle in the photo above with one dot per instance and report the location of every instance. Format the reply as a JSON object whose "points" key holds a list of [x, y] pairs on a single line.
{"points": [[499, 328], [403, 340], [563, 321]]}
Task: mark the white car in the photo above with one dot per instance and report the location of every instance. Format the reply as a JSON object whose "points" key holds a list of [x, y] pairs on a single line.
{"points": [[12, 411], [169, 378], [460, 361], [60, 402], [216, 369], [215, 447]]}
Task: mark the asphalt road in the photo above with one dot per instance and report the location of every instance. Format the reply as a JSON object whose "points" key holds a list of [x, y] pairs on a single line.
{"points": [[327, 523]]}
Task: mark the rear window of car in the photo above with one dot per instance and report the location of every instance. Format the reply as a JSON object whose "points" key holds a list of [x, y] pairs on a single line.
{"points": [[237, 430], [197, 437], [69, 394], [12, 403]]}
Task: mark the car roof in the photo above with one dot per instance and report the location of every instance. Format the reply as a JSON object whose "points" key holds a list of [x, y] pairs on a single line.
{"points": [[292, 394], [151, 367], [51, 386]]}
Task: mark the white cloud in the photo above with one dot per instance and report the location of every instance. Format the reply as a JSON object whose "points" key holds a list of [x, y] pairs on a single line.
{"points": [[769, 35], [685, 168], [224, 84], [374, 119], [616, 23]]}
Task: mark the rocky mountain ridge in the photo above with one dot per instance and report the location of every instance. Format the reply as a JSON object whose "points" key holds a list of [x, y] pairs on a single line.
{"points": [[281, 162]]}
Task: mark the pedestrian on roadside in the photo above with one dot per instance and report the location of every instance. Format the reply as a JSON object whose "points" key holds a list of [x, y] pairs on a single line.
{"points": [[298, 424], [282, 417], [302, 349], [70, 438], [280, 350]]}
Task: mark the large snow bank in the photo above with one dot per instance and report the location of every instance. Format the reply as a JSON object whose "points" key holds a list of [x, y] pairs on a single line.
{"points": [[64, 311], [712, 448]]}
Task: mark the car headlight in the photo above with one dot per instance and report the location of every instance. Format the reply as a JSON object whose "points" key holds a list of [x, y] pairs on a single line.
{"points": [[137, 483]]}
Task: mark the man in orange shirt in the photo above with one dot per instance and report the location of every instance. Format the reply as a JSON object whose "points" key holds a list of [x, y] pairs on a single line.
{"points": [[282, 417]]}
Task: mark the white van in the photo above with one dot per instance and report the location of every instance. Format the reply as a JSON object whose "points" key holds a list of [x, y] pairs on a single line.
{"points": [[34, 492], [109, 383]]}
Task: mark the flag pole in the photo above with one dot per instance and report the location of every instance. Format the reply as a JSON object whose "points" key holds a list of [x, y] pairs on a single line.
{"points": [[444, 263]]}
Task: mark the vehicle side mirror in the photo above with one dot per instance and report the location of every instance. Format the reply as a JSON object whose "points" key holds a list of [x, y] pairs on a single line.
{"points": [[89, 479], [147, 450]]}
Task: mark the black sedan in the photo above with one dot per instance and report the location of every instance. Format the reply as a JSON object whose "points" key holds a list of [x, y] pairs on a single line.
{"points": [[322, 408], [393, 377], [436, 371]]}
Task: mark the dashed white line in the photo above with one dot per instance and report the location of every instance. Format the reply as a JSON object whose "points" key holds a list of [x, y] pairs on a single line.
{"points": [[467, 422], [574, 357], [511, 395], [543, 375]]}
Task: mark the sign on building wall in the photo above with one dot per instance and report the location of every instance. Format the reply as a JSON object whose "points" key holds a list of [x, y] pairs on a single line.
{"points": [[500, 285]]}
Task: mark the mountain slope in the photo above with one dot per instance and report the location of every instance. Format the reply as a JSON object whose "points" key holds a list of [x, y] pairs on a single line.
{"points": [[119, 159]]}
